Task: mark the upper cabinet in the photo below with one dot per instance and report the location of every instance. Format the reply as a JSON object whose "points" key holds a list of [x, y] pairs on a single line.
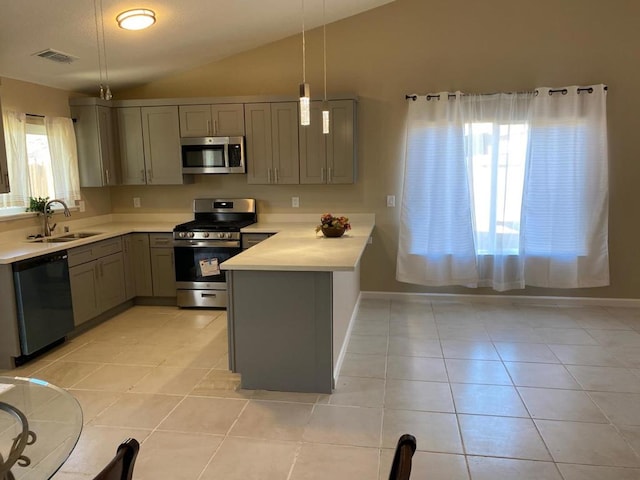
{"points": [[4, 171], [150, 145], [272, 143], [97, 153], [329, 158], [221, 120]]}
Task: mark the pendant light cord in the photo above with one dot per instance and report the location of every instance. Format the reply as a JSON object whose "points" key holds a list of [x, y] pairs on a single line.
{"points": [[304, 67], [104, 47], [95, 11], [324, 48]]}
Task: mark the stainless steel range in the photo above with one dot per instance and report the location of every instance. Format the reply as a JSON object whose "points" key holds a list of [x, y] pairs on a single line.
{"points": [[201, 245]]}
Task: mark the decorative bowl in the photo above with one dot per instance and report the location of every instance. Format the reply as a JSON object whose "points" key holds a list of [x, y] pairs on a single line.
{"points": [[333, 232]]}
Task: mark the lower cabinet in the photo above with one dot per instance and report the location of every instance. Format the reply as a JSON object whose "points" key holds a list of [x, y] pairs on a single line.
{"points": [[163, 274], [97, 277], [138, 265]]}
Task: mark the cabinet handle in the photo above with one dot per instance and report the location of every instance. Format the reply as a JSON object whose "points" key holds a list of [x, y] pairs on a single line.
{"points": [[149, 176], [142, 176], [205, 295], [215, 127], [209, 131], [276, 175], [329, 177], [269, 175], [322, 174], [106, 172]]}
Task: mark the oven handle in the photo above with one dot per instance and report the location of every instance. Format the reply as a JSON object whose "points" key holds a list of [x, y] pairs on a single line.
{"points": [[206, 243]]}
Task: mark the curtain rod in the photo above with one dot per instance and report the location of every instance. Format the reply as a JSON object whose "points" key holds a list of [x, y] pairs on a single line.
{"points": [[563, 91], [34, 115]]}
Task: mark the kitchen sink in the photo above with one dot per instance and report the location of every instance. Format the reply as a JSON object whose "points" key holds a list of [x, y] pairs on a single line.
{"points": [[77, 235], [69, 237]]}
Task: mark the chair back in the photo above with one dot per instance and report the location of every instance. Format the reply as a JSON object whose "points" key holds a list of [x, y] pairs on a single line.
{"points": [[401, 466], [121, 466]]}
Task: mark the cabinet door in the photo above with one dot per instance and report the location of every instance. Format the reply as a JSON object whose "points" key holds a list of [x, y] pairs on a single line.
{"points": [[259, 147], [284, 134], [108, 150], [131, 146], [228, 120], [341, 152], [313, 152], [84, 292], [163, 272], [195, 121], [91, 143], [141, 263], [111, 281], [162, 153], [4, 171], [127, 256]]}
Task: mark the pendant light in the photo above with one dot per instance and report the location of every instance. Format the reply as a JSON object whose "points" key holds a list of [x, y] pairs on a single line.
{"points": [[305, 113], [325, 103], [105, 90]]}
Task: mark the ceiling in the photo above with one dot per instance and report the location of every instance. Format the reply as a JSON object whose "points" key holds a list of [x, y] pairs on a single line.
{"points": [[187, 34]]}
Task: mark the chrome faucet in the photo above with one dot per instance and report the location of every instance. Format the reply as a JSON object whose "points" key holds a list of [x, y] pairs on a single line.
{"points": [[48, 229]]}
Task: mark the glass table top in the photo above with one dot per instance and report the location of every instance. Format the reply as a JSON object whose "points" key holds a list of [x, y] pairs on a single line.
{"points": [[53, 420]]}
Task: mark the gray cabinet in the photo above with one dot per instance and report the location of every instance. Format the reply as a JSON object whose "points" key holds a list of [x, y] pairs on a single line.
{"points": [[162, 264], [96, 140], [97, 277], [272, 143], [150, 145], [4, 171], [139, 264], [221, 120], [251, 239], [329, 159]]}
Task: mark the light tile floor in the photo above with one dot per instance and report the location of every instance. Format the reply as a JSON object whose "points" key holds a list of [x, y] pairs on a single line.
{"points": [[513, 392]]}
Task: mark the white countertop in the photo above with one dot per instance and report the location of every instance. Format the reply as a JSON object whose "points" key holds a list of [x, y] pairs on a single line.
{"points": [[22, 249], [296, 247]]}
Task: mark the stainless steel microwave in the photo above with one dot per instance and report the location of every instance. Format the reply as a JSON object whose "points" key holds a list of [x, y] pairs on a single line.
{"points": [[213, 155]]}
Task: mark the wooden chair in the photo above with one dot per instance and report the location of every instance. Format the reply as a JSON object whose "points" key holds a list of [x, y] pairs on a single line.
{"points": [[121, 467], [401, 466]]}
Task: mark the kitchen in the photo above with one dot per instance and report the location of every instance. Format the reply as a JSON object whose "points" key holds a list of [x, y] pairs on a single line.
{"points": [[381, 55]]}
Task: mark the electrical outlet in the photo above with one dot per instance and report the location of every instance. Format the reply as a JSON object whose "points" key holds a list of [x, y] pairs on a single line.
{"points": [[391, 200], [136, 202], [81, 206], [295, 202]]}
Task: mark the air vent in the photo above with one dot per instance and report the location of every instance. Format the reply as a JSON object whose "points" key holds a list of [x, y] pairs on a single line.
{"points": [[56, 56]]}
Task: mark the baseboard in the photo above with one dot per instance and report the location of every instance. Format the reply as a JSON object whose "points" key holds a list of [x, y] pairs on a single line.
{"points": [[508, 299], [345, 344]]}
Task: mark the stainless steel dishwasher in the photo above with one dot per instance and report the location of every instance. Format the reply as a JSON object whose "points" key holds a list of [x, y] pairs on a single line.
{"points": [[43, 298]]}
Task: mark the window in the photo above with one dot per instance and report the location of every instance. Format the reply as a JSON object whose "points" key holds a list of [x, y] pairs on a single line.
{"points": [[506, 190], [41, 159]]}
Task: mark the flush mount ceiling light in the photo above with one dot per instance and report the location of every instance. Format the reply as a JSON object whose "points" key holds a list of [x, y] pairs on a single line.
{"points": [[137, 19]]}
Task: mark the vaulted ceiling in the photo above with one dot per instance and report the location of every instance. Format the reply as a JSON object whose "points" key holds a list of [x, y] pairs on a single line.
{"points": [[187, 34]]}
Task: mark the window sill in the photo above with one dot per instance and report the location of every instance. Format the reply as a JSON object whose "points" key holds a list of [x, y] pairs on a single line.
{"points": [[24, 215]]}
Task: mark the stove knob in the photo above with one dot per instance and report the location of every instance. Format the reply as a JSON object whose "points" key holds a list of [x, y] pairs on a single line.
{"points": [[220, 235], [229, 235], [190, 234], [205, 234]]}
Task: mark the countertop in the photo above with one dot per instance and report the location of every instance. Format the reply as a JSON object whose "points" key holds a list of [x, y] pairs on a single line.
{"points": [[297, 247], [16, 250]]}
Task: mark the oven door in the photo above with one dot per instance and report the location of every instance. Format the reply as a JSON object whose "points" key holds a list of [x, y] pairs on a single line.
{"points": [[197, 263]]}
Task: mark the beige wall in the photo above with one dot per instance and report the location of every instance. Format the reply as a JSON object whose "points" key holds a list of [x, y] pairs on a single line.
{"points": [[39, 100], [426, 46]]}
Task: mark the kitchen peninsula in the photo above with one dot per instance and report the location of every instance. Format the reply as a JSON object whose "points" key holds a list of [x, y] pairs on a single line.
{"points": [[291, 301]]}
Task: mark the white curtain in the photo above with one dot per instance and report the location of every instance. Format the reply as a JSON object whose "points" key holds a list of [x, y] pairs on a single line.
{"points": [[64, 158], [17, 161], [506, 190], [565, 204]]}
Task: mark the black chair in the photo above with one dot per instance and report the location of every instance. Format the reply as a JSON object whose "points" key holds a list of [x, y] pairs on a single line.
{"points": [[401, 466], [121, 467]]}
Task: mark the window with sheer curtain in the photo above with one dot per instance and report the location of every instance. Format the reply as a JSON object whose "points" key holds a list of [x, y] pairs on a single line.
{"points": [[42, 160], [506, 190]]}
